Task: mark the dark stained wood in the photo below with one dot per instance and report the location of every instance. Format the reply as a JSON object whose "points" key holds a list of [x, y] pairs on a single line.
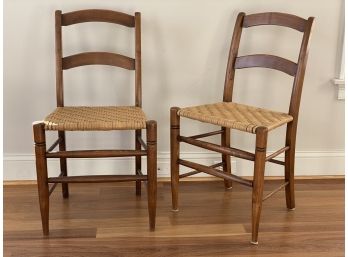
{"points": [[95, 153], [41, 172], [63, 163], [260, 60], [141, 142], [89, 58], [258, 182], [266, 61], [277, 162], [97, 179], [92, 58], [215, 172], [275, 18], [213, 133], [97, 15], [106, 220], [138, 87], [230, 71], [138, 160], [151, 136], [291, 129], [54, 145], [59, 55], [226, 159], [276, 153], [174, 155], [217, 148], [190, 173]]}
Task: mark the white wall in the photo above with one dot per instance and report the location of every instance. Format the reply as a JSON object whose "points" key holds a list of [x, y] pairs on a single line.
{"points": [[185, 46]]}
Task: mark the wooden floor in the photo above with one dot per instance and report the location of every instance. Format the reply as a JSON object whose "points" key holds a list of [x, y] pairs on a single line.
{"points": [[109, 220]]}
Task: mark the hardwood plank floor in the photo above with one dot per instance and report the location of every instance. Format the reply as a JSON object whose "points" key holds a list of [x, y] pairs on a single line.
{"points": [[109, 220]]}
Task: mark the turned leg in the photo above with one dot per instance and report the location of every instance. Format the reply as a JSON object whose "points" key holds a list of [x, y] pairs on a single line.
{"points": [[151, 130], [174, 154], [226, 159], [41, 171], [137, 162], [258, 182], [63, 165], [289, 167]]}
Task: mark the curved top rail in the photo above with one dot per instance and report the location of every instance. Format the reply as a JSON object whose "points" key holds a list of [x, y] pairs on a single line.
{"points": [[275, 18], [97, 15]]}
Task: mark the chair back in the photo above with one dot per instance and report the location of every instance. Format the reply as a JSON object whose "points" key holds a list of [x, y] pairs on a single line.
{"points": [[296, 70], [100, 58]]}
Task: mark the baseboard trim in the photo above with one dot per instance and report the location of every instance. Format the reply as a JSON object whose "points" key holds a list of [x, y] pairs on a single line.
{"points": [[191, 179], [308, 163]]}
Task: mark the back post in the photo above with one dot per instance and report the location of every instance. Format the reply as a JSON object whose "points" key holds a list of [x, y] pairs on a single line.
{"points": [[59, 56], [229, 78], [138, 92]]}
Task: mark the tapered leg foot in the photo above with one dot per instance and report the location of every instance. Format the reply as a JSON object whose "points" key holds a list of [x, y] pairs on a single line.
{"points": [[258, 182], [151, 130], [174, 155], [41, 172]]}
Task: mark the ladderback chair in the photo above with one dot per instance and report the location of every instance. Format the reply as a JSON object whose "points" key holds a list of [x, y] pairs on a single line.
{"points": [[229, 115], [93, 118]]}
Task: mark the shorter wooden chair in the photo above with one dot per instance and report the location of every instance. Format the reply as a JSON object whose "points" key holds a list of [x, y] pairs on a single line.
{"points": [[91, 118], [246, 118]]}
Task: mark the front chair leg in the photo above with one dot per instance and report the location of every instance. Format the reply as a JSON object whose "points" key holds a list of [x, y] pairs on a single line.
{"points": [[151, 136], [226, 159], [258, 182], [174, 154], [63, 165], [41, 172]]}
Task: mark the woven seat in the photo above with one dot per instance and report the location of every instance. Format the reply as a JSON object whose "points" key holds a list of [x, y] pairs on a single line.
{"points": [[96, 118], [236, 116]]}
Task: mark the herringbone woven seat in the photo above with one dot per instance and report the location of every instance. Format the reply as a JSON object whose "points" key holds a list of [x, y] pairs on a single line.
{"points": [[236, 116], [96, 118]]}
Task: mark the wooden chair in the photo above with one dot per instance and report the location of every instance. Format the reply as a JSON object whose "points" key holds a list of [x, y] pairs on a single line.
{"points": [[249, 119], [86, 118]]}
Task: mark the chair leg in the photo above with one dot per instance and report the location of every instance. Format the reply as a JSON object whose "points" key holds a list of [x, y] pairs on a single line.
{"points": [[151, 134], [137, 162], [41, 171], [258, 182], [289, 169], [63, 165], [226, 159], [174, 155]]}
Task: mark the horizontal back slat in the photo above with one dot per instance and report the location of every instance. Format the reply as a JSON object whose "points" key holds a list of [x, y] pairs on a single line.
{"points": [[91, 58], [97, 15], [266, 61], [275, 18]]}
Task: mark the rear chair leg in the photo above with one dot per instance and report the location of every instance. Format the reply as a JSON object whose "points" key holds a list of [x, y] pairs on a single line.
{"points": [[63, 165], [226, 159], [289, 167], [174, 154], [258, 182], [137, 162], [41, 171], [151, 134]]}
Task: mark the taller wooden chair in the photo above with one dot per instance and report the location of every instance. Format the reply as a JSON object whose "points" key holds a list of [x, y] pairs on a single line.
{"points": [[88, 118], [245, 118]]}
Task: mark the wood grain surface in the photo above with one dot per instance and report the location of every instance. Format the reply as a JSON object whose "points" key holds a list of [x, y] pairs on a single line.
{"points": [[109, 220]]}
